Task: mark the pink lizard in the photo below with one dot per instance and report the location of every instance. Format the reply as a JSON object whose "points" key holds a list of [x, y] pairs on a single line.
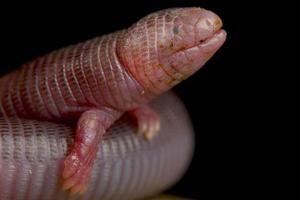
{"points": [[95, 82]]}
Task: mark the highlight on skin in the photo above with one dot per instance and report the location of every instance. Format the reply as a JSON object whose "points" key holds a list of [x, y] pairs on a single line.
{"points": [[95, 82]]}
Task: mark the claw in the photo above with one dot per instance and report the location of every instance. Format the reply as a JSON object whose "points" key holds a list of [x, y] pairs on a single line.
{"points": [[147, 120], [77, 181], [71, 164], [142, 127]]}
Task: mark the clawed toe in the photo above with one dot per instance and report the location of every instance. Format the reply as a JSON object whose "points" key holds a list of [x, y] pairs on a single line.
{"points": [[76, 173], [147, 121], [149, 128]]}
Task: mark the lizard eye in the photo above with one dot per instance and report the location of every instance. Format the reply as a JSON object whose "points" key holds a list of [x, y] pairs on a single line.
{"points": [[175, 30]]}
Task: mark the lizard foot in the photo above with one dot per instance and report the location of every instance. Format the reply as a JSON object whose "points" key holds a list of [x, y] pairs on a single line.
{"points": [[147, 120], [78, 164]]}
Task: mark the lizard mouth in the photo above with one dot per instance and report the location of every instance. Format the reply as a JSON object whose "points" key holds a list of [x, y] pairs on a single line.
{"points": [[212, 43], [188, 60]]}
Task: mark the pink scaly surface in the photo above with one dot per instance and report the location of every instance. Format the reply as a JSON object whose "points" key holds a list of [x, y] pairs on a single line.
{"points": [[93, 83]]}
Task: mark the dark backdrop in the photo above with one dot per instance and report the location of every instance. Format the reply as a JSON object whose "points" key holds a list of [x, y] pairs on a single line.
{"points": [[215, 96]]}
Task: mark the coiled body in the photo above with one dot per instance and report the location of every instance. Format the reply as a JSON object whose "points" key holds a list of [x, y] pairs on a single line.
{"points": [[127, 167]]}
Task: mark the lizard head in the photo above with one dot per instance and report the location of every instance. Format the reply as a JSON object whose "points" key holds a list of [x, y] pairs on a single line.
{"points": [[168, 46]]}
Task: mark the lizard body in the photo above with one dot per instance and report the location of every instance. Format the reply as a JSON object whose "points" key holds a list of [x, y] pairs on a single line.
{"points": [[93, 83]]}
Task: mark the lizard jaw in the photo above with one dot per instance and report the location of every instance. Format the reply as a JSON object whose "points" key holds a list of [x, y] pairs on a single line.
{"points": [[199, 35], [189, 60]]}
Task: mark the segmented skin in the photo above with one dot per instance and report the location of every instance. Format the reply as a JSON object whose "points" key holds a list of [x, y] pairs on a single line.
{"points": [[120, 70], [93, 83], [67, 82], [127, 167]]}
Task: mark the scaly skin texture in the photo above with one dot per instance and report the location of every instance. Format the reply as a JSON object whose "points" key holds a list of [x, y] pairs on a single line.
{"points": [[127, 167], [95, 82]]}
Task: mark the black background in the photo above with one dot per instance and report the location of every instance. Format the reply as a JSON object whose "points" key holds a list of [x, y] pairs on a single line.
{"points": [[219, 97]]}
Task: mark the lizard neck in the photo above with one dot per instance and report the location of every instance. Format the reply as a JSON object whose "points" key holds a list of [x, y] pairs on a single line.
{"points": [[142, 63], [119, 87]]}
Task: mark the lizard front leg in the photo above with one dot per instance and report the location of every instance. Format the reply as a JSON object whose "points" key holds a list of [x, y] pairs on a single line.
{"points": [[78, 164], [148, 121]]}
